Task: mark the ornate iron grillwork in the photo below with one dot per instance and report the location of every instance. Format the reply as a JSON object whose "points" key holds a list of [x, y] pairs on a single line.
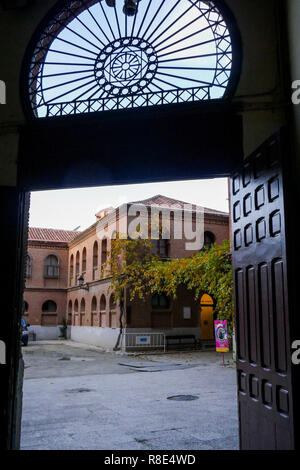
{"points": [[92, 57]]}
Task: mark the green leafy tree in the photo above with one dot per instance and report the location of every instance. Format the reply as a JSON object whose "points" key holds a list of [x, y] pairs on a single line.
{"points": [[133, 268], [209, 271], [126, 267]]}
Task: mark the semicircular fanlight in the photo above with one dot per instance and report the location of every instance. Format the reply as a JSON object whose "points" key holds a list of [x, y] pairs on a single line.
{"points": [[97, 56]]}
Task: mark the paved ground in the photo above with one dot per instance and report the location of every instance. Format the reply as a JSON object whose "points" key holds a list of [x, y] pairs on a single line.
{"points": [[76, 397]]}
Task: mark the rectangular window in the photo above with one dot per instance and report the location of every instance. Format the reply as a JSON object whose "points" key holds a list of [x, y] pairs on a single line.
{"points": [[28, 270], [160, 247], [51, 271], [160, 301]]}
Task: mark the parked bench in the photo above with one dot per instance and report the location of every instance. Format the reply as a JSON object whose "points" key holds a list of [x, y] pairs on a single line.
{"points": [[182, 340]]}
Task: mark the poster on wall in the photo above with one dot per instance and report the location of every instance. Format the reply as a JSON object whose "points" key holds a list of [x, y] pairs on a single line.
{"points": [[141, 340], [221, 335], [187, 313]]}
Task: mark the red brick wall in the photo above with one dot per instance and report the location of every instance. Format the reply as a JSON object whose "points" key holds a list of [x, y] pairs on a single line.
{"points": [[39, 289], [86, 241], [38, 253], [105, 317], [35, 299], [218, 226], [143, 316]]}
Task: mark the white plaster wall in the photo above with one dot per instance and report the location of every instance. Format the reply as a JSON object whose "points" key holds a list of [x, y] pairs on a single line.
{"points": [[46, 332], [106, 337], [171, 331], [103, 337]]}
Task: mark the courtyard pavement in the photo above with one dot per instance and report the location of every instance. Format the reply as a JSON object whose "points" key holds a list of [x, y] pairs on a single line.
{"points": [[79, 397]]}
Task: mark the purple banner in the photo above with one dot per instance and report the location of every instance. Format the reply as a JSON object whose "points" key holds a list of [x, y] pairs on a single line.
{"points": [[221, 335]]}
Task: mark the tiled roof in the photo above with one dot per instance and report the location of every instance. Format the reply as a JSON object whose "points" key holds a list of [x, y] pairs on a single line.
{"points": [[167, 202], [51, 235]]}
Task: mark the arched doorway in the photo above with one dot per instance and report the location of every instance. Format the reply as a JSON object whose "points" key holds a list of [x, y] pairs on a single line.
{"points": [[49, 313], [207, 317]]}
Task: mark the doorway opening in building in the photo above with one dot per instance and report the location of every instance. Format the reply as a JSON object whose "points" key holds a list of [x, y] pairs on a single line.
{"points": [[139, 62], [207, 317], [118, 359]]}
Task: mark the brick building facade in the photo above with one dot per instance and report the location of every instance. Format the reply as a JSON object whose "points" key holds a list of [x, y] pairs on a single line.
{"points": [[91, 311], [45, 295]]}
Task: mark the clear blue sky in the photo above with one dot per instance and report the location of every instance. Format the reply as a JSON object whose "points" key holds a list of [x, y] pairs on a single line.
{"points": [[70, 208]]}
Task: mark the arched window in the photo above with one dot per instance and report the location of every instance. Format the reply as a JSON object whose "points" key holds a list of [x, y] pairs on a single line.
{"points": [[69, 312], [206, 300], [209, 239], [82, 312], [95, 255], [51, 267], [112, 302], [77, 263], [26, 307], [83, 260], [92, 57], [94, 304], [71, 267], [102, 303], [160, 301], [94, 315], [104, 251], [49, 306], [28, 266], [75, 312]]}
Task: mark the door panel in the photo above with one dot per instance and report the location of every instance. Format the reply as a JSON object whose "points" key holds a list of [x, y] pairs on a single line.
{"points": [[261, 301], [207, 322], [15, 213]]}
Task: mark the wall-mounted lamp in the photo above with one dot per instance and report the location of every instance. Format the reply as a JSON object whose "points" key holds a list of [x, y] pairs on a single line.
{"points": [[80, 281], [130, 7]]}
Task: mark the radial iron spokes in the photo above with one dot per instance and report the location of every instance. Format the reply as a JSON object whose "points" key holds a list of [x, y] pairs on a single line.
{"points": [[113, 54]]}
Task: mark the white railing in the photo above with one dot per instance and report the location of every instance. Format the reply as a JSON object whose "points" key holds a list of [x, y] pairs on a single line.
{"points": [[144, 341]]}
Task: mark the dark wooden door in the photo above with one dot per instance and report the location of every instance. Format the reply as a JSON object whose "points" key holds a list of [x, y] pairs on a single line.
{"points": [[261, 300], [13, 237]]}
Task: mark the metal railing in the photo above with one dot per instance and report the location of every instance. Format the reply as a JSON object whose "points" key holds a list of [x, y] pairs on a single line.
{"points": [[128, 101], [143, 341]]}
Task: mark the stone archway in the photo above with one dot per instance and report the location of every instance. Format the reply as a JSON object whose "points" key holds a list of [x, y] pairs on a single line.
{"points": [[66, 149]]}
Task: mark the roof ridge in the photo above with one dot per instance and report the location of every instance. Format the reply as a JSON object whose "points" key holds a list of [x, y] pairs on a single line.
{"points": [[178, 201], [50, 228], [160, 195], [51, 234]]}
